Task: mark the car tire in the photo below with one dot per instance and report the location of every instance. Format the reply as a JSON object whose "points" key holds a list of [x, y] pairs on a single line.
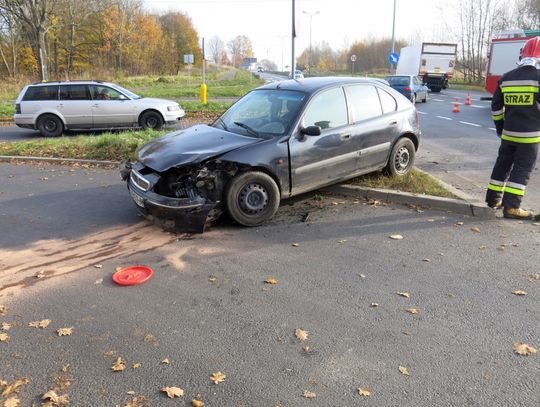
{"points": [[413, 98], [50, 125], [401, 158], [151, 120], [251, 198], [425, 99]]}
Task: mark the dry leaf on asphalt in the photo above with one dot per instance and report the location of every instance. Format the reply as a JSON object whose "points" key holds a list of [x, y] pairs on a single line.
{"points": [[166, 361], [119, 365], [403, 370], [99, 266], [374, 305], [44, 323], [212, 279], [475, 229], [295, 245], [364, 392], [39, 274], [64, 331], [309, 394], [519, 292], [197, 403], [98, 281], [271, 280], [396, 237], [136, 365], [523, 349], [427, 260], [5, 326], [173, 392], [459, 223], [14, 387], [12, 402], [217, 377], [3, 309], [4, 337], [301, 334], [53, 399], [403, 294]]}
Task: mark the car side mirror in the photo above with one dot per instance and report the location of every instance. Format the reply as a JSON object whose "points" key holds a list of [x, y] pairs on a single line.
{"points": [[311, 131], [122, 97]]}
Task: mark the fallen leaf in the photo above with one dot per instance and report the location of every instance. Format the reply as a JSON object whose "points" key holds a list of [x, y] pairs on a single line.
{"points": [[44, 178], [309, 394], [523, 349], [5, 326], [301, 334], [271, 280], [3, 309], [4, 337], [403, 370], [39, 274], [65, 368], [396, 237], [459, 223], [136, 365], [364, 392], [217, 377], [406, 295], [53, 399], [361, 275], [98, 281], [12, 402], [212, 279], [197, 403], [165, 361], [427, 260], [475, 229], [374, 305], [342, 241], [119, 365], [412, 310], [109, 353], [295, 245], [14, 387], [131, 392], [64, 331], [519, 292], [40, 324], [99, 266], [173, 392], [3, 383]]}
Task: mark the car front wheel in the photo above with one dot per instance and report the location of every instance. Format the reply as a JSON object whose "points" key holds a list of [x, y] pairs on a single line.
{"points": [[401, 159], [251, 198], [151, 120], [50, 125]]}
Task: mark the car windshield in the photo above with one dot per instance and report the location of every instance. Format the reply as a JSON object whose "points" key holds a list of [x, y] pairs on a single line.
{"points": [[126, 92], [398, 80], [262, 113]]}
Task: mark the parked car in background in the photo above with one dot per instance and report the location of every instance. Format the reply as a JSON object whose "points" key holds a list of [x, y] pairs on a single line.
{"points": [[280, 140], [409, 86], [53, 107], [297, 74]]}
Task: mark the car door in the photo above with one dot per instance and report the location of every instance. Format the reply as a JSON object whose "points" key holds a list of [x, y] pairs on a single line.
{"points": [[75, 105], [320, 160], [418, 89], [375, 124], [110, 108]]}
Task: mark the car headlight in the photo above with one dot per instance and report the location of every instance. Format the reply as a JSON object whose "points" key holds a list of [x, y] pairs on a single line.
{"points": [[173, 108]]}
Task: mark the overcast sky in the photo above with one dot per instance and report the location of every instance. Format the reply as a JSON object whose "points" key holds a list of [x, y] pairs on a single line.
{"points": [[267, 23]]}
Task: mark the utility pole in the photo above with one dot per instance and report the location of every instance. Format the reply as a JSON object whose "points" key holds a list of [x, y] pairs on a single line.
{"points": [[393, 37], [310, 35], [293, 36]]}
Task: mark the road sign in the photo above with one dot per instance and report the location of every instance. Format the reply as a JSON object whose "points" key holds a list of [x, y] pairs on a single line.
{"points": [[393, 58], [353, 58], [188, 58]]}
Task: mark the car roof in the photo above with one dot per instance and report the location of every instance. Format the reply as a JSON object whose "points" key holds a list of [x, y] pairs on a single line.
{"points": [[312, 85], [84, 82]]}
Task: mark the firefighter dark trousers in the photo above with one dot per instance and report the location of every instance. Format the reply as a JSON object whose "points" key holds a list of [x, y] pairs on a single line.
{"points": [[511, 173]]}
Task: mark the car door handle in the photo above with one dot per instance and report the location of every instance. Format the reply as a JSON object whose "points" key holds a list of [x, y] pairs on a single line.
{"points": [[60, 105], [345, 136], [96, 105], [392, 123]]}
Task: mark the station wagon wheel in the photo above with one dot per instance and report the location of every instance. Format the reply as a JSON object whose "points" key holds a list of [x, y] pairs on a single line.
{"points": [[402, 158], [251, 198], [151, 120], [50, 125]]}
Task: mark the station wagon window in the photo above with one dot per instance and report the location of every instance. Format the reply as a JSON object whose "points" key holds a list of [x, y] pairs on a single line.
{"points": [[327, 110], [388, 102], [74, 92], [49, 92], [104, 93], [365, 102]]}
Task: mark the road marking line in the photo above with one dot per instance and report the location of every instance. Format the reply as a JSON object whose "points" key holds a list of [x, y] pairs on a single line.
{"points": [[479, 107], [445, 118], [419, 112], [470, 124], [491, 128], [438, 100]]}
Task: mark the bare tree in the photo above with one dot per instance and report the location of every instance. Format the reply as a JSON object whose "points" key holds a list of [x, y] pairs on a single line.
{"points": [[527, 14], [216, 47], [240, 47], [10, 40]]}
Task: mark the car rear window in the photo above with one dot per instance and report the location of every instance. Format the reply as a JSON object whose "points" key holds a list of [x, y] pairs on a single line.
{"points": [[388, 102], [49, 92], [365, 102], [398, 80]]}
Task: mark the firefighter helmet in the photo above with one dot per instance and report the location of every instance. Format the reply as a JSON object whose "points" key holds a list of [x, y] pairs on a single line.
{"points": [[531, 48]]}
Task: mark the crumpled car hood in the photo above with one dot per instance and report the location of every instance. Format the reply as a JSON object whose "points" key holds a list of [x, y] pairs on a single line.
{"points": [[190, 146]]}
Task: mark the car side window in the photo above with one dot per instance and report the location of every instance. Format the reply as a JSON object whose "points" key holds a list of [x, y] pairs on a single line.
{"points": [[100, 92], [388, 102], [327, 110], [365, 102], [49, 92], [74, 92]]}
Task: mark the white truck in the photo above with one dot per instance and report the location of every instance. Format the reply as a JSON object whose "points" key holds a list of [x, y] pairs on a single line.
{"points": [[433, 62]]}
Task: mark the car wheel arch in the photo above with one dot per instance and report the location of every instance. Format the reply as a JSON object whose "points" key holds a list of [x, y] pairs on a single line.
{"points": [[43, 113], [150, 110], [244, 168]]}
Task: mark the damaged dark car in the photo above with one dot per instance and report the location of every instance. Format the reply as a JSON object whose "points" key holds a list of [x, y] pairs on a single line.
{"points": [[280, 140]]}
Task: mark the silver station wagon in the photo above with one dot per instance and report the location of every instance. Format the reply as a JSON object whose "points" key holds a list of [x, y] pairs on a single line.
{"points": [[53, 107]]}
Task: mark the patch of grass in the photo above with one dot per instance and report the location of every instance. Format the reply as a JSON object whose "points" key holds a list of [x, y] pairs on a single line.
{"points": [[415, 182], [7, 109], [215, 107]]}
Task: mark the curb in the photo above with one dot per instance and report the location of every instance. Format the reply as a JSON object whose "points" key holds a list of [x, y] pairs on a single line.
{"points": [[464, 206]]}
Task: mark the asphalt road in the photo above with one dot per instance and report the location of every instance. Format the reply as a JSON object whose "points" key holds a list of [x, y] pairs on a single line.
{"points": [[207, 308]]}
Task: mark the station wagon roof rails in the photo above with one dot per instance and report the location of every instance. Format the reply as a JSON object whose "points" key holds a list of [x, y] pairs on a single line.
{"points": [[70, 81]]}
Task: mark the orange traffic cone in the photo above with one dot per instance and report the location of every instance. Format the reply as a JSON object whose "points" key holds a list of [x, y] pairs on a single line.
{"points": [[468, 99], [456, 106]]}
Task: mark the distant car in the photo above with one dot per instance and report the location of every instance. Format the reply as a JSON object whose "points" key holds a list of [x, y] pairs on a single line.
{"points": [[280, 140], [297, 74], [53, 107], [409, 86], [260, 69]]}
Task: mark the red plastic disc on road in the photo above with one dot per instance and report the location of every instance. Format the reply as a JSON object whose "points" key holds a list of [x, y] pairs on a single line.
{"points": [[132, 275]]}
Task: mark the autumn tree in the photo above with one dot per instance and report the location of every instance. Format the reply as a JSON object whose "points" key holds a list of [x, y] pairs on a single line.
{"points": [[240, 47], [180, 33], [9, 43]]}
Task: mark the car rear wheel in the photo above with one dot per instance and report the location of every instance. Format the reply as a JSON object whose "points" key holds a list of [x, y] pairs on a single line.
{"points": [[151, 120], [425, 99], [251, 198], [401, 159], [50, 125]]}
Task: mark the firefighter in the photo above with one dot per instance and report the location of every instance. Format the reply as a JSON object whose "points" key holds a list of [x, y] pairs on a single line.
{"points": [[515, 111]]}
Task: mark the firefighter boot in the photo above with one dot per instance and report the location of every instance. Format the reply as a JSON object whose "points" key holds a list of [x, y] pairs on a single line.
{"points": [[517, 213]]}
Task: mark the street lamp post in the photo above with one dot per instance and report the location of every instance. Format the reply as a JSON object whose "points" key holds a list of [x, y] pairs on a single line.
{"points": [[310, 35], [393, 36]]}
